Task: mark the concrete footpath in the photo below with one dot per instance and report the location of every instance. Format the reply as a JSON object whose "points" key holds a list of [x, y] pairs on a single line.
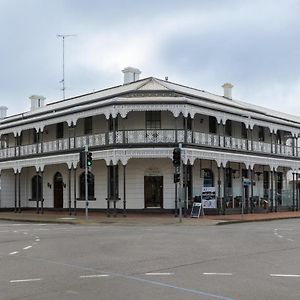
{"points": [[152, 219]]}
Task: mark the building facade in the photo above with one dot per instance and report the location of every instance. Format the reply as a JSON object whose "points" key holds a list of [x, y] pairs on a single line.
{"points": [[238, 152]]}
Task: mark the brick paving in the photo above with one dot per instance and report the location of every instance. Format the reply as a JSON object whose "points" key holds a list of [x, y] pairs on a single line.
{"points": [[141, 218]]}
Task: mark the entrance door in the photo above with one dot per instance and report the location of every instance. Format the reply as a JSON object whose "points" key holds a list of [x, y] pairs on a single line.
{"points": [[58, 190], [153, 187]]}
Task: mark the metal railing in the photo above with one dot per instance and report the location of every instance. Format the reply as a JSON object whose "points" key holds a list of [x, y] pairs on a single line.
{"points": [[159, 136]]}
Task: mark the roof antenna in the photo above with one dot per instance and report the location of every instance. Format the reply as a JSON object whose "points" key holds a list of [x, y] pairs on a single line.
{"points": [[166, 78], [63, 36]]}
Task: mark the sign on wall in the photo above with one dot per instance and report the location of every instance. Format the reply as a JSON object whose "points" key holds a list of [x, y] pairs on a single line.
{"points": [[209, 197]]}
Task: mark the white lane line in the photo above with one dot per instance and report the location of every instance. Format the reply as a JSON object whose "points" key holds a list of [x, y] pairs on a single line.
{"points": [[13, 253], [280, 236], [222, 274], [28, 247], [158, 274], [94, 276], [285, 275], [291, 240], [26, 280], [25, 232]]}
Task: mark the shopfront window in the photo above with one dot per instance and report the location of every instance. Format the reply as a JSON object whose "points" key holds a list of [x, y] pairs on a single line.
{"points": [[208, 180]]}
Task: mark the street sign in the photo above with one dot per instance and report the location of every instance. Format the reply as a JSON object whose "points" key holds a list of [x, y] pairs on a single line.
{"points": [[246, 182]]}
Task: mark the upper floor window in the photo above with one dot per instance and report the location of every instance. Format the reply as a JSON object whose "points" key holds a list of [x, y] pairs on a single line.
{"points": [[278, 137], [261, 134], [188, 121], [212, 122], [60, 130], [153, 120], [4, 140], [35, 136], [244, 131], [228, 128], [111, 124], [88, 125]]}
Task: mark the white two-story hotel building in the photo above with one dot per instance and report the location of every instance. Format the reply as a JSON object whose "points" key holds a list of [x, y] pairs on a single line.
{"points": [[240, 152]]}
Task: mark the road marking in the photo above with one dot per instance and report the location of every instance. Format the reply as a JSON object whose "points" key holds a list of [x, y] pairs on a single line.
{"points": [[291, 240], [163, 274], [37, 240], [28, 247], [280, 236], [94, 276], [25, 232], [26, 280], [13, 253], [222, 274], [285, 275]]}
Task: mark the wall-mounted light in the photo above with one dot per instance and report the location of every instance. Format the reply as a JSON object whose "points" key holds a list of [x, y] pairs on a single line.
{"points": [[49, 185]]}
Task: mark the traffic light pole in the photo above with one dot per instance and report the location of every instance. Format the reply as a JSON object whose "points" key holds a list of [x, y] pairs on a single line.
{"points": [[86, 183]]}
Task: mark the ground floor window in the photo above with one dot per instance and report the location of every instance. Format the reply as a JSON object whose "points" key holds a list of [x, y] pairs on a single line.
{"points": [[36, 183], [208, 178], [90, 182], [113, 175]]}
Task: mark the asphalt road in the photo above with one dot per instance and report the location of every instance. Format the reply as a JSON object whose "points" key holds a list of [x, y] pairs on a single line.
{"points": [[238, 261]]}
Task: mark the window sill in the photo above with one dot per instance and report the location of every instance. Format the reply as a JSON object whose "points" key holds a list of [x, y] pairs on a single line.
{"points": [[83, 199]]}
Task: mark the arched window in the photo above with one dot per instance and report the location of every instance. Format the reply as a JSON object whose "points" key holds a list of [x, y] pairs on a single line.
{"points": [[90, 180], [36, 180], [208, 178]]}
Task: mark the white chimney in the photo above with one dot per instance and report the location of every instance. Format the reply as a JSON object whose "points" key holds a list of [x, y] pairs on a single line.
{"points": [[131, 74], [3, 112], [36, 102], [227, 90]]}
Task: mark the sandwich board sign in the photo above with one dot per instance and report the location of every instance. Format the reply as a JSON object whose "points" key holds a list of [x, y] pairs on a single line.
{"points": [[209, 197], [197, 210]]}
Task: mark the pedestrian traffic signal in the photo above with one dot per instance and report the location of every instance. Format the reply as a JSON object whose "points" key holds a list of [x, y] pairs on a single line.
{"points": [[89, 159], [82, 157], [176, 177], [176, 157]]}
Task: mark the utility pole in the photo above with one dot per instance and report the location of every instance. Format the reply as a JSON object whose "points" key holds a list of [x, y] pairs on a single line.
{"points": [[63, 36]]}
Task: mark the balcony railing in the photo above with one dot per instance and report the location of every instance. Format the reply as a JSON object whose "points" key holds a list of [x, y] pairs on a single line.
{"points": [[163, 136]]}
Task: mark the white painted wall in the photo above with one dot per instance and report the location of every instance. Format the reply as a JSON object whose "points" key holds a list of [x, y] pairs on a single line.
{"points": [[7, 188], [135, 172]]}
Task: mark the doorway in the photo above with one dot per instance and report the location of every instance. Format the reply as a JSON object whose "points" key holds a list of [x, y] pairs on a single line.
{"points": [[153, 188], [58, 186]]}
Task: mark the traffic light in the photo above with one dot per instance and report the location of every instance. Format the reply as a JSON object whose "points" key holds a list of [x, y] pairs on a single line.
{"points": [[176, 157], [89, 158], [176, 177], [89, 177], [82, 157]]}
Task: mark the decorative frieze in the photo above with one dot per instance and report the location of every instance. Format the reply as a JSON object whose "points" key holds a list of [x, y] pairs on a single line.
{"points": [[189, 156]]}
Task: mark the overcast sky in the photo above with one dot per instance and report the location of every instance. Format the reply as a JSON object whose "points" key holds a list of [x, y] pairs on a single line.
{"points": [[254, 44]]}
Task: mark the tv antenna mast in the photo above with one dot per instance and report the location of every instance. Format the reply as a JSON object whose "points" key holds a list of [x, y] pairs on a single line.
{"points": [[63, 36]]}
